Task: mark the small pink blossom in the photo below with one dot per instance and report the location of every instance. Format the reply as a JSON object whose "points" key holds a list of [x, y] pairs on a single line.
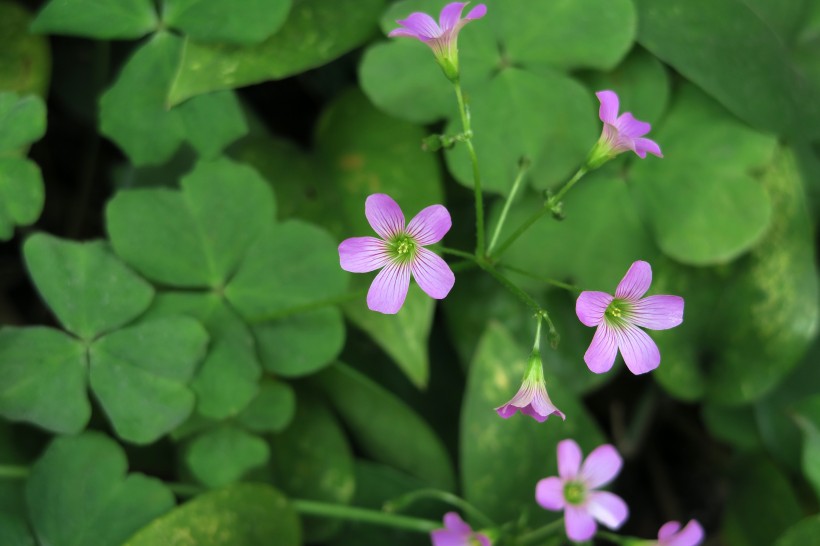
{"points": [[532, 398], [620, 133], [457, 532], [399, 253], [619, 317], [671, 534], [575, 492]]}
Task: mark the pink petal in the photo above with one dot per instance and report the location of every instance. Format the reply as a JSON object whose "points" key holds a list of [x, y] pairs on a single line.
{"points": [[640, 353], [644, 145], [384, 214], [692, 535], [601, 466], [389, 289], [420, 25], [658, 312], [608, 112], [579, 523], [590, 307], [453, 522], [569, 459], [432, 273], [477, 12], [482, 539], [363, 254], [636, 281], [549, 493], [542, 407], [668, 529], [630, 127], [430, 225], [608, 508], [602, 351], [450, 15]]}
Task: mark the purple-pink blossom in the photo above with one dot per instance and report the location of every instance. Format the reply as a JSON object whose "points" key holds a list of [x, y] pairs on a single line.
{"points": [[575, 492], [457, 532], [620, 133], [671, 534], [619, 320], [532, 398], [399, 253], [442, 37]]}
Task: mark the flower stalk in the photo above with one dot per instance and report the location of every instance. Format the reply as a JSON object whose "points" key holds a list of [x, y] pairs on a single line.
{"points": [[523, 167]]}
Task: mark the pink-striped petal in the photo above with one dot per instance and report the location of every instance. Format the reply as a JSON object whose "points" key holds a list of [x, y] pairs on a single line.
{"points": [[384, 214], [590, 307], [430, 225], [608, 508], [389, 289], [658, 312], [453, 522], [640, 353], [644, 145], [569, 459], [579, 523], [691, 535], [363, 254], [549, 493], [541, 407], [476, 13], [432, 273], [601, 466], [450, 15], [608, 112], [420, 25], [667, 530], [602, 351], [636, 281], [630, 127]]}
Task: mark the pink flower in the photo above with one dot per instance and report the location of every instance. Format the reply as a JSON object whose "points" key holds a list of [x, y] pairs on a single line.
{"points": [[442, 37], [532, 398], [618, 319], [399, 253], [457, 533], [574, 490], [670, 534], [620, 134]]}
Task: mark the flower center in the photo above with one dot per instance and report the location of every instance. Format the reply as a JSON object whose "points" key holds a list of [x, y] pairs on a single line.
{"points": [[403, 247], [574, 492], [617, 312]]}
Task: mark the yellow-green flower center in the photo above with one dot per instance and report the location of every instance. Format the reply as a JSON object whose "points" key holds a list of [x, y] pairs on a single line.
{"points": [[574, 492], [617, 312], [403, 248]]}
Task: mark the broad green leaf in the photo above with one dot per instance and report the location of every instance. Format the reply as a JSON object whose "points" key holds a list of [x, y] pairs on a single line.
{"points": [[223, 455], [761, 504], [704, 200], [22, 121], [312, 460], [402, 336], [785, 18], [139, 374], [89, 289], [101, 19], [14, 527], [710, 43], [385, 428], [286, 269], [736, 426], [144, 125], [79, 494], [197, 236], [25, 59], [802, 533], [272, 410], [22, 194], [808, 417], [42, 379], [314, 33], [489, 443], [772, 300], [244, 23], [238, 515], [300, 344]]}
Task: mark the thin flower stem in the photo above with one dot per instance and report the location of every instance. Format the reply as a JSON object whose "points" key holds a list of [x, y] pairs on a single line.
{"points": [[537, 345], [352, 513], [459, 253], [555, 199], [541, 533], [312, 306], [509, 285], [13, 472], [612, 537], [553, 282], [479, 199], [443, 496], [522, 170]]}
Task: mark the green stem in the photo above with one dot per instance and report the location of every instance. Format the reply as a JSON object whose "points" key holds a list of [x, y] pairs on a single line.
{"points": [[352, 513], [536, 346], [479, 199], [443, 496], [559, 284], [13, 472], [522, 170], [509, 285], [612, 537], [313, 306], [541, 533], [555, 199], [459, 253]]}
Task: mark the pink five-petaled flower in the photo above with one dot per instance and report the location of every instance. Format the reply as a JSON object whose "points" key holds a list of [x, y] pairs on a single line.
{"points": [[442, 37], [574, 490], [399, 252], [618, 318], [671, 534], [532, 398], [457, 532], [620, 133]]}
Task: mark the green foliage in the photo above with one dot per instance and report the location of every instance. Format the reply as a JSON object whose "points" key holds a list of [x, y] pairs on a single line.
{"points": [[223, 455], [226, 21], [25, 60], [803, 532], [123, 19]]}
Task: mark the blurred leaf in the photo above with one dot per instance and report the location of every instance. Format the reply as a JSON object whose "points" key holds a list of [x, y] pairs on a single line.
{"points": [[42, 379], [272, 409], [772, 300], [22, 121], [79, 494], [223, 455], [14, 527], [808, 417], [385, 428], [195, 237], [101, 19], [312, 460], [22, 194], [144, 125], [25, 59], [238, 515], [314, 33], [488, 443], [802, 533], [704, 199], [784, 17], [736, 426], [89, 289], [244, 23]]}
